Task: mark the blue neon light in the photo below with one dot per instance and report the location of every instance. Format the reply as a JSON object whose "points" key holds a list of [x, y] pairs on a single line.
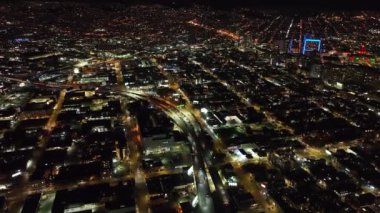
{"points": [[307, 40], [290, 46]]}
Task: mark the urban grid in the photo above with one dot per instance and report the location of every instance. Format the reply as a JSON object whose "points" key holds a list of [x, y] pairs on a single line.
{"points": [[111, 107]]}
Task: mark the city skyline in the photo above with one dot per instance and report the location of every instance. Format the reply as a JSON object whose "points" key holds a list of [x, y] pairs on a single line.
{"points": [[188, 108], [225, 4]]}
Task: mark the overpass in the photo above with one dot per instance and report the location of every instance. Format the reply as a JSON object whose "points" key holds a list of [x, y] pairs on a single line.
{"points": [[187, 123]]}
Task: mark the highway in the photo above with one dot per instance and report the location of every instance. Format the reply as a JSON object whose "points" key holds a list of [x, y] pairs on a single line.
{"points": [[215, 182], [19, 194], [189, 126], [134, 144], [187, 121]]}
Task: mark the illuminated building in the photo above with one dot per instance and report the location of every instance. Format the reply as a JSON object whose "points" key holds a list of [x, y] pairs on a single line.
{"points": [[362, 57], [311, 45]]}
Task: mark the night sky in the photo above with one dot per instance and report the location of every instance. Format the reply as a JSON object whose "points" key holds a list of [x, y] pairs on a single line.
{"points": [[276, 4]]}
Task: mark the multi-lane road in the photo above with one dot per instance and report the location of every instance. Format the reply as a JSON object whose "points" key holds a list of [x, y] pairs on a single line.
{"points": [[185, 121]]}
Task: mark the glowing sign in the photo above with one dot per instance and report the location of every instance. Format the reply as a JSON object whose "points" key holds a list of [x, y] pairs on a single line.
{"points": [[362, 59], [315, 43]]}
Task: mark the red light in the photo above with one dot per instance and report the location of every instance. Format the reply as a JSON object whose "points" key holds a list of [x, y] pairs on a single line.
{"points": [[362, 50]]}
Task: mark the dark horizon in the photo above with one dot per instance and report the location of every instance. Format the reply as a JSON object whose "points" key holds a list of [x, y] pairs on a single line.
{"points": [[227, 4]]}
